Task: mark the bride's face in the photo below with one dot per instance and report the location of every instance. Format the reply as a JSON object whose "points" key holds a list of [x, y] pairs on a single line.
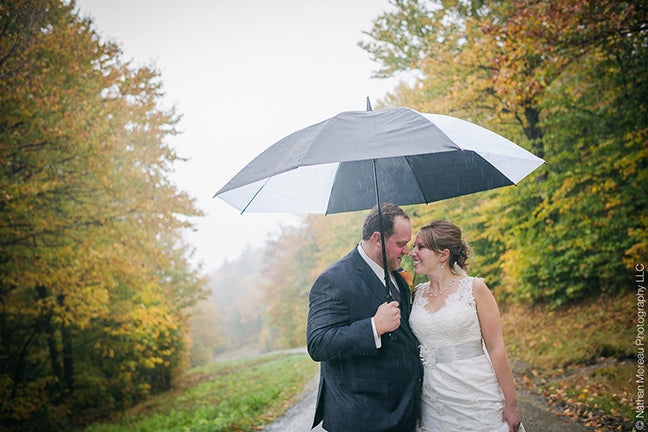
{"points": [[425, 260]]}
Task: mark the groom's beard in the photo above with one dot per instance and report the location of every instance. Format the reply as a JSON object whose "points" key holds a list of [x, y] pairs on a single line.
{"points": [[394, 263]]}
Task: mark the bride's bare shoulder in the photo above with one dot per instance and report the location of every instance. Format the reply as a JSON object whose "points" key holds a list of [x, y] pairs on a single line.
{"points": [[480, 289]]}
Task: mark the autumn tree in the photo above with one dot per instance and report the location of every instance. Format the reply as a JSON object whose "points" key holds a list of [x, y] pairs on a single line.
{"points": [[289, 260], [334, 235], [262, 296], [236, 291], [206, 335], [94, 272], [565, 79]]}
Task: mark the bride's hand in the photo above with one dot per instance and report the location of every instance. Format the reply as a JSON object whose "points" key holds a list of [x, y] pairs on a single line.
{"points": [[512, 417]]}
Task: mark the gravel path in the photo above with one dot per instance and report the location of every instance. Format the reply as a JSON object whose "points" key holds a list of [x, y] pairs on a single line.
{"points": [[537, 414]]}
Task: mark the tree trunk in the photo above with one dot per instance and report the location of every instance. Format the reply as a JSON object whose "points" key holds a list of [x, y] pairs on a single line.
{"points": [[50, 336], [533, 131], [68, 354]]}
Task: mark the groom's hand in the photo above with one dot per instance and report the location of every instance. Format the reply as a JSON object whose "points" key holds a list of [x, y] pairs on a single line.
{"points": [[387, 318]]}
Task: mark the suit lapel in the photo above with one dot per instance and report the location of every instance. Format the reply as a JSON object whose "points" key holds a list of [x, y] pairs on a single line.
{"points": [[368, 276], [377, 287]]}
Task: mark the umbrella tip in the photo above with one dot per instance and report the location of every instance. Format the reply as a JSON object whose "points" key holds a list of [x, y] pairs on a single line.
{"points": [[368, 104]]}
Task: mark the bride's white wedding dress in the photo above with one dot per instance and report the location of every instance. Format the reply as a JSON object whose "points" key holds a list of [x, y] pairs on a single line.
{"points": [[460, 389]]}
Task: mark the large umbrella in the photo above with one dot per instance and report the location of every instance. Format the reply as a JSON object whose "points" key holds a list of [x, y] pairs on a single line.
{"points": [[355, 159]]}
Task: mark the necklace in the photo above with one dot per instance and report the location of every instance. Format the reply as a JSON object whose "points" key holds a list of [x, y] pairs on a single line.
{"points": [[444, 289]]}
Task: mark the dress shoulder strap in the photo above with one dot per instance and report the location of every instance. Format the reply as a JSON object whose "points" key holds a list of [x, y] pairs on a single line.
{"points": [[420, 286], [465, 289]]}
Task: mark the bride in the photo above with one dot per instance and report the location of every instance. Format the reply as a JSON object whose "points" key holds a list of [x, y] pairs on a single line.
{"points": [[465, 388]]}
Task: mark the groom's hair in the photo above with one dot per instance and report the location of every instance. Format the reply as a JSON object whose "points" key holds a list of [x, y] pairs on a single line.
{"points": [[389, 213]]}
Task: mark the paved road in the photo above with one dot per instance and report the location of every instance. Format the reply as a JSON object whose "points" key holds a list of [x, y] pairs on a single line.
{"points": [[299, 417], [536, 413]]}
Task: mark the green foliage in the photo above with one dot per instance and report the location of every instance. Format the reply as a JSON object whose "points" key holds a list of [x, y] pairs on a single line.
{"points": [[590, 228], [94, 272], [236, 395]]}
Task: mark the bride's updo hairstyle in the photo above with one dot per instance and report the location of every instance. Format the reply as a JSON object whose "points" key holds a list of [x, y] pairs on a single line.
{"points": [[440, 234]]}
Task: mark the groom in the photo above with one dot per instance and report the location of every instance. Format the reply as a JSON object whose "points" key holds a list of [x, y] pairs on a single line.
{"points": [[371, 376]]}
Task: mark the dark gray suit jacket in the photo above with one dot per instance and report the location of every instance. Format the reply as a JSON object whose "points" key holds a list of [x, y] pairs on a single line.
{"points": [[361, 388]]}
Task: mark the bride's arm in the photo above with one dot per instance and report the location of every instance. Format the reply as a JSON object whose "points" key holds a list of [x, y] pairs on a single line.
{"points": [[491, 327]]}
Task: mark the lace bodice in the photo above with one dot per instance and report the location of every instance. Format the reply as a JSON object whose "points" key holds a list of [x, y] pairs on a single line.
{"points": [[454, 323], [460, 389]]}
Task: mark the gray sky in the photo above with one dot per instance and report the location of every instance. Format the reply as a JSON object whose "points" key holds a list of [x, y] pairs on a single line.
{"points": [[244, 74]]}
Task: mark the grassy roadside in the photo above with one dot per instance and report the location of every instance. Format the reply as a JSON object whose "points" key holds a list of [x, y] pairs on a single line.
{"points": [[583, 357], [237, 395]]}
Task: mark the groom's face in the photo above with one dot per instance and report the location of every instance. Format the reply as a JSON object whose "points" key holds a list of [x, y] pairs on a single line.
{"points": [[396, 244]]}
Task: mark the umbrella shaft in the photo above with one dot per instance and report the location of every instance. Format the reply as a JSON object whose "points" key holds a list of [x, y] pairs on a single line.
{"points": [[382, 235]]}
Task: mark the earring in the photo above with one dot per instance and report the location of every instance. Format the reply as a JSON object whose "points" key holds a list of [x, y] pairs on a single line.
{"points": [[441, 266]]}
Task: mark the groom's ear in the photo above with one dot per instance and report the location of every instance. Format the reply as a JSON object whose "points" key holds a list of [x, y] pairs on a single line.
{"points": [[376, 239]]}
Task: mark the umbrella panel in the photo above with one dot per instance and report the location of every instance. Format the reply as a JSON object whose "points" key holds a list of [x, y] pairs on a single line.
{"points": [[348, 136], [412, 180]]}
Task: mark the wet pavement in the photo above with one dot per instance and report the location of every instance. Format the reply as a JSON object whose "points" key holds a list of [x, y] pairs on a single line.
{"points": [[537, 414], [299, 417]]}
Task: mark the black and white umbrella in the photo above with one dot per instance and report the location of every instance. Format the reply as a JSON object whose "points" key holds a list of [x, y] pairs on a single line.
{"points": [[356, 159]]}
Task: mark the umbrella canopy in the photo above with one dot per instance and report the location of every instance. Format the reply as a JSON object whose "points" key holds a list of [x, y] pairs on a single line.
{"points": [[351, 160], [419, 158]]}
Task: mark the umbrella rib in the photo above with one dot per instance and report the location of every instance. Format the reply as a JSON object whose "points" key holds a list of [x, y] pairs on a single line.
{"points": [[337, 171], [255, 195], [418, 183], [317, 135]]}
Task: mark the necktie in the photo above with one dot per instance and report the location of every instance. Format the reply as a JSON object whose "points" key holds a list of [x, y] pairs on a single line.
{"points": [[394, 288]]}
